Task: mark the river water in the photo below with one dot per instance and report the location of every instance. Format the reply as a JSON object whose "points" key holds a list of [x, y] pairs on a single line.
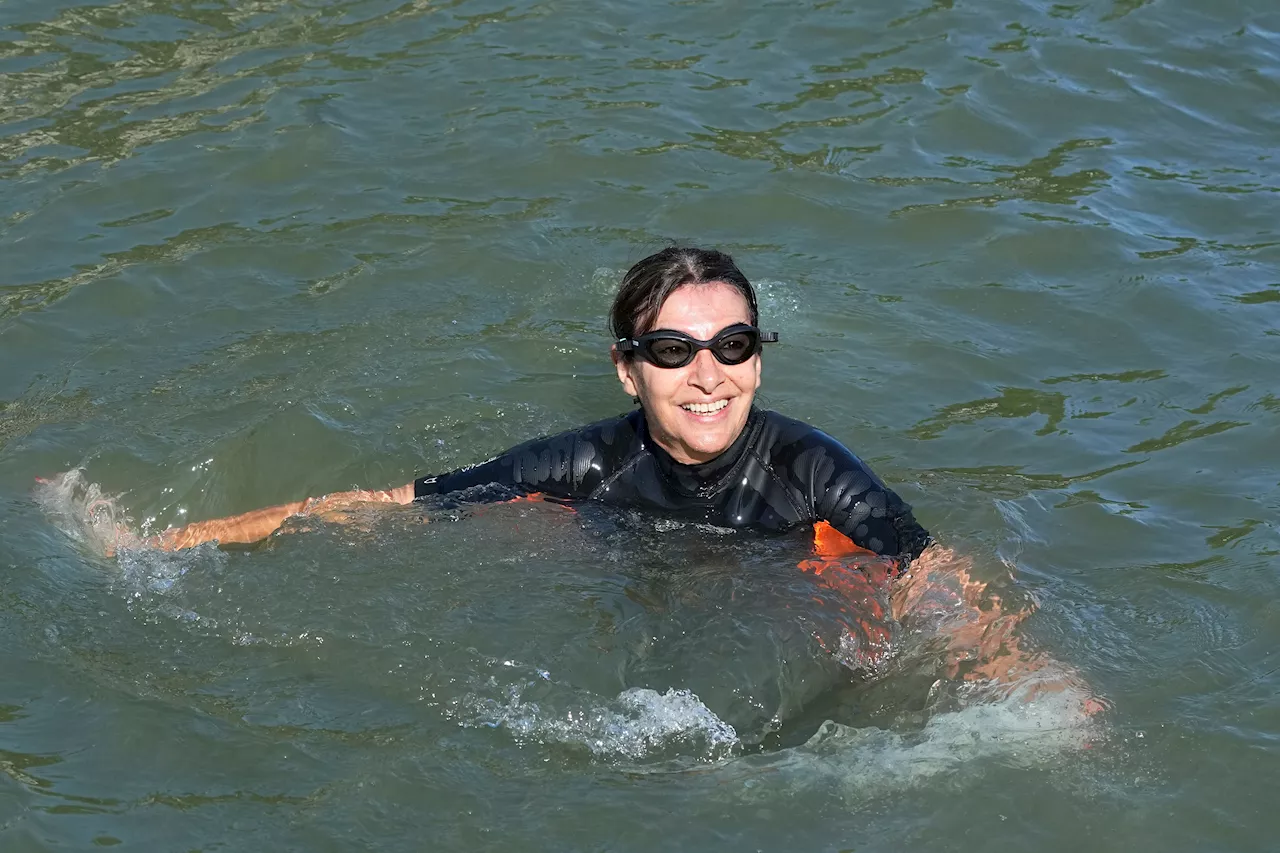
{"points": [[1023, 258]]}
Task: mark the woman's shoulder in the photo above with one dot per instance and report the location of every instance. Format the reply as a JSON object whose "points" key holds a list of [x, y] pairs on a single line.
{"points": [[808, 454], [575, 453], [565, 464], [618, 430]]}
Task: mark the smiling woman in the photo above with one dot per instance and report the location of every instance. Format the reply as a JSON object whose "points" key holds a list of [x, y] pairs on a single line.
{"points": [[695, 405], [688, 349], [695, 397]]}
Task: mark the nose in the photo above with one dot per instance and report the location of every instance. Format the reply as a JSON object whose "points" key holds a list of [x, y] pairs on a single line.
{"points": [[707, 373]]}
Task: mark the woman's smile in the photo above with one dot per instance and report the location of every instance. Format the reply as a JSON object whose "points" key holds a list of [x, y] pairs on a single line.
{"points": [[706, 410]]}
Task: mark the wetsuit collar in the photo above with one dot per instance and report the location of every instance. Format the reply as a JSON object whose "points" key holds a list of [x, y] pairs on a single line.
{"points": [[706, 479]]}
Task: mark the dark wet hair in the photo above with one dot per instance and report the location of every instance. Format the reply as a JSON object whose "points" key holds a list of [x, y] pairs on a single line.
{"points": [[648, 284]]}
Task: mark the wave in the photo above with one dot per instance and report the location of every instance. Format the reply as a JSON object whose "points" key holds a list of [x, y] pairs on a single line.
{"points": [[638, 724], [644, 731]]}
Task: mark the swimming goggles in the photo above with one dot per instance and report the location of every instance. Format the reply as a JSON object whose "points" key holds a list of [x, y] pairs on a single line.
{"points": [[668, 348]]}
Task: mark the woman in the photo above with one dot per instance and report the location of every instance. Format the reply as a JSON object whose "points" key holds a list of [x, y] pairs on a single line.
{"points": [[687, 348]]}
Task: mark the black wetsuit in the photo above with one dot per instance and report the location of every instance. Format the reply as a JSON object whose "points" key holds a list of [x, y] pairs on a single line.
{"points": [[779, 474]]}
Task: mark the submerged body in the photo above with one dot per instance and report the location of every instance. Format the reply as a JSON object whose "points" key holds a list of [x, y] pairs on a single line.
{"points": [[778, 474]]}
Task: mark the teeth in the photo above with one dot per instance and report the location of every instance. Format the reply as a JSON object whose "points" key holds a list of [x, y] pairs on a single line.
{"points": [[705, 408]]}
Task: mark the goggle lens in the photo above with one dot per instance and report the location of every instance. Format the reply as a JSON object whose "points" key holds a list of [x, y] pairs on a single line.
{"points": [[732, 346], [668, 352]]}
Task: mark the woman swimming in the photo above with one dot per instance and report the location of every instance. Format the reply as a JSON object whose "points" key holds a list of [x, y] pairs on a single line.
{"points": [[687, 347]]}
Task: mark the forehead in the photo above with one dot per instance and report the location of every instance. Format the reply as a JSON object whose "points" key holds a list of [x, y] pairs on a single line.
{"points": [[701, 310]]}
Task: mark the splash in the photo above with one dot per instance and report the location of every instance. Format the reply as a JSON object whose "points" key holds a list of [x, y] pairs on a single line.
{"points": [[643, 731], [858, 764], [82, 511], [95, 520], [638, 724]]}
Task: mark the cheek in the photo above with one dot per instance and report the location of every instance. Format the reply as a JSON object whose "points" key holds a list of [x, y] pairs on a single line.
{"points": [[747, 376], [654, 384]]}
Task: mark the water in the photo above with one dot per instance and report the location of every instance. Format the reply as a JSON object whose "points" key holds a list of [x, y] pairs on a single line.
{"points": [[1023, 257]]}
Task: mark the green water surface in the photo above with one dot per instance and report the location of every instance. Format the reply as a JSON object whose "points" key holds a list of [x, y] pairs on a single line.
{"points": [[1024, 260]]}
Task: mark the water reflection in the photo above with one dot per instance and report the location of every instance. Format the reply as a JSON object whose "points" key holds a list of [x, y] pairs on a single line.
{"points": [[1035, 181], [1012, 403]]}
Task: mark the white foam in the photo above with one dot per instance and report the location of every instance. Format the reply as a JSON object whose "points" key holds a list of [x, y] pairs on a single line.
{"points": [[89, 516], [858, 763], [667, 730], [83, 512], [638, 724]]}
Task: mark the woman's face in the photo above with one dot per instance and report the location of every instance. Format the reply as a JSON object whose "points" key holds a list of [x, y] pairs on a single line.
{"points": [[720, 393]]}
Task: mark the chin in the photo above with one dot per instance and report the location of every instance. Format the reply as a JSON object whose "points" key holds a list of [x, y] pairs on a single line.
{"points": [[712, 443], [701, 442]]}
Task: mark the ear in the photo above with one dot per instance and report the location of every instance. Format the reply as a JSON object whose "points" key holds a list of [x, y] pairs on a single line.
{"points": [[624, 366]]}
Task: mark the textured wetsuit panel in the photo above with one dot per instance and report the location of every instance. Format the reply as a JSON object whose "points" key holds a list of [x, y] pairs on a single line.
{"points": [[780, 473], [569, 465]]}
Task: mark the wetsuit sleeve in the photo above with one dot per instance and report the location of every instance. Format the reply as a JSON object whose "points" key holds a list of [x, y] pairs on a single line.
{"points": [[560, 465], [847, 495]]}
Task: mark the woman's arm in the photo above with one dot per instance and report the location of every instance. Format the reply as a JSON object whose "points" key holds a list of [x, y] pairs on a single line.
{"points": [[940, 594], [261, 523], [939, 590], [939, 597], [541, 465]]}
